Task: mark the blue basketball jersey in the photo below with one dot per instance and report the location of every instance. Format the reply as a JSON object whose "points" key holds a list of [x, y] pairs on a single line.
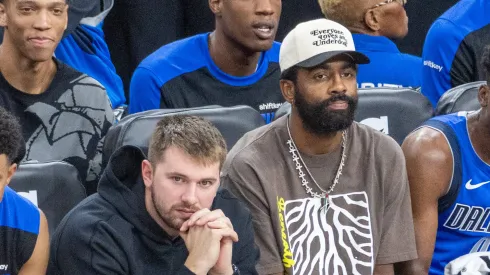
{"points": [[19, 228], [464, 213]]}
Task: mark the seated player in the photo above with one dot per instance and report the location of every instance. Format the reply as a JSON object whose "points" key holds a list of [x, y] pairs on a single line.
{"points": [[236, 64], [64, 114], [24, 237], [448, 164], [161, 215], [327, 195]]}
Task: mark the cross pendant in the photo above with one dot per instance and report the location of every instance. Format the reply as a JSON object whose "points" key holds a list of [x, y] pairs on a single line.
{"points": [[325, 203]]}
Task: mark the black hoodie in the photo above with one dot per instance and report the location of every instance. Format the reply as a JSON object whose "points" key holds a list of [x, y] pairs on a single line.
{"points": [[111, 232]]}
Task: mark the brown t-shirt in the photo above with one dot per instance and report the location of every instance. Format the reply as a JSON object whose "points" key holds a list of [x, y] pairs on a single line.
{"points": [[369, 220]]}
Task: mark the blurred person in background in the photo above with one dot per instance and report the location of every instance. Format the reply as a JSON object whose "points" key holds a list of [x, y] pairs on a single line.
{"points": [[374, 24], [453, 48]]}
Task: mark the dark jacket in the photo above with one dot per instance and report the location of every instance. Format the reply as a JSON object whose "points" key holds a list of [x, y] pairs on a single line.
{"points": [[112, 233]]}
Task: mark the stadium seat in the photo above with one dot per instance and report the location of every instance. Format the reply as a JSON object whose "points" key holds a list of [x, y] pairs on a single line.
{"points": [[136, 129], [393, 111], [461, 98], [55, 187]]}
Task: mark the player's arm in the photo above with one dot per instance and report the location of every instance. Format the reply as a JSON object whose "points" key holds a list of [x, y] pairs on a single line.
{"points": [[429, 167], [144, 91], [38, 262]]}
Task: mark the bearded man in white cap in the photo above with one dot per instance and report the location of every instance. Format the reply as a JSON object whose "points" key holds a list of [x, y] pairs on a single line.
{"points": [[327, 195]]}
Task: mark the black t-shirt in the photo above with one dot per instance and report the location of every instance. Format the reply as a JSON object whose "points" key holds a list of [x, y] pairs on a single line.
{"points": [[67, 122]]}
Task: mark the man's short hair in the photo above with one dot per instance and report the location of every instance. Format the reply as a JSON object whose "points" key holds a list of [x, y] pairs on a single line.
{"points": [[196, 136], [291, 74], [486, 62], [346, 12], [10, 136]]}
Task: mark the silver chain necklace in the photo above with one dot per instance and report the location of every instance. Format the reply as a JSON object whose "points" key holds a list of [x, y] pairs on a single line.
{"points": [[324, 196]]}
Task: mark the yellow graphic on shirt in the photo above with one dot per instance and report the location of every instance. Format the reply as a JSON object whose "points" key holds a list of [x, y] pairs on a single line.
{"points": [[287, 256]]}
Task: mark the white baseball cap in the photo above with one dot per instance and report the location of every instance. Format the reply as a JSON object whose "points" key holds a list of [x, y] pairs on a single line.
{"points": [[314, 42]]}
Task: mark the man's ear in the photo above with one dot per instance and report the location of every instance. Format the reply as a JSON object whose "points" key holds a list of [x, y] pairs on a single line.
{"points": [[216, 6], [11, 172], [371, 20], [483, 95], [147, 172], [3, 16], [288, 90]]}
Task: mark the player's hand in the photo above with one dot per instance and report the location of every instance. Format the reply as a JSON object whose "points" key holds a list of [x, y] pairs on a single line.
{"points": [[209, 238]]}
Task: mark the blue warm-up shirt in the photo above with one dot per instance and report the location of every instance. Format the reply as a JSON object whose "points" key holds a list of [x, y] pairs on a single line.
{"points": [[182, 74], [454, 46], [388, 67]]}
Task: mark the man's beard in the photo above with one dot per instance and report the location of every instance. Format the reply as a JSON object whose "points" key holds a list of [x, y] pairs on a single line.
{"points": [[319, 119], [168, 218]]}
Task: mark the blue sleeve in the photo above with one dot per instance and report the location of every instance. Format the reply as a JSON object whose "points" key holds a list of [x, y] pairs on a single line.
{"points": [[86, 50], [441, 44], [144, 91]]}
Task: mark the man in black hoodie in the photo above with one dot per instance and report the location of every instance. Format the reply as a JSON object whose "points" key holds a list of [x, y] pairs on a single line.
{"points": [[161, 215]]}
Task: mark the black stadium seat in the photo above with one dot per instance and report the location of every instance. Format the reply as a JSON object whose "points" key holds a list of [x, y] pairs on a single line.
{"points": [[461, 98], [136, 129], [394, 111], [55, 187]]}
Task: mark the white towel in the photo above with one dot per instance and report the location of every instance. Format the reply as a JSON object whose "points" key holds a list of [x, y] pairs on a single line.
{"points": [[477, 263]]}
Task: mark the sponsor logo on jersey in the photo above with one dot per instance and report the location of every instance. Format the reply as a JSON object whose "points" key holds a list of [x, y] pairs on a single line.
{"points": [[470, 186], [433, 65], [269, 106]]}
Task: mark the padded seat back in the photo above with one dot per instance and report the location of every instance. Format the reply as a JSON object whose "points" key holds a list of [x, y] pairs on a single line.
{"points": [[136, 129], [55, 187], [461, 98]]}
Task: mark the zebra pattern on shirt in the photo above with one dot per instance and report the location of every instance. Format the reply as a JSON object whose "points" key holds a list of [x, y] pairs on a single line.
{"points": [[336, 242]]}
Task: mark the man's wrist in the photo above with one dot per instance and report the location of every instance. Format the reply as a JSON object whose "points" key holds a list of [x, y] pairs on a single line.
{"points": [[196, 268], [229, 271]]}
